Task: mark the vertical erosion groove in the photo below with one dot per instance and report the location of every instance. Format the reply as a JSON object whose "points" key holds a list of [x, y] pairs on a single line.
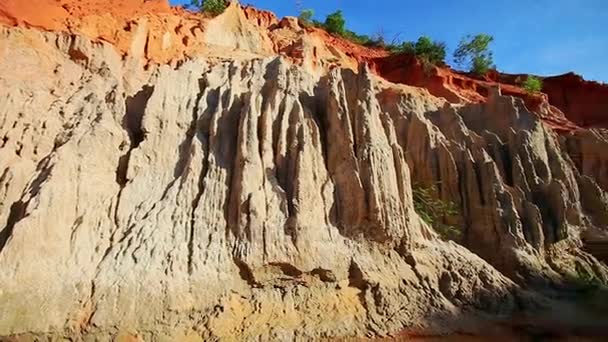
{"points": [[199, 128], [135, 107]]}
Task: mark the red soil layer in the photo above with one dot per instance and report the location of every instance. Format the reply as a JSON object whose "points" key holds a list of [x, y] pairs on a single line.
{"points": [[359, 52], [170, 34], [584, 102], [59, 15], [260, 18], [457, 87]]}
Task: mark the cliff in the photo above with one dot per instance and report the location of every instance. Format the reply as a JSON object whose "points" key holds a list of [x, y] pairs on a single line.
{"points": [[166, 175]]}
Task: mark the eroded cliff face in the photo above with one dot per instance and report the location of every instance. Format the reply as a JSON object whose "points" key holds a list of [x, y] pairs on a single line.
{"points": [[256, 196]]}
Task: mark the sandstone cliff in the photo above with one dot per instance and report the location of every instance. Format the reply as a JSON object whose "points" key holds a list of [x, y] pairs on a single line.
{"points": [[178, 177]]}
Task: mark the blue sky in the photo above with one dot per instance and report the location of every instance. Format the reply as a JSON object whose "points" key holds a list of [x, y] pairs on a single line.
{"points": [[545, 37]]}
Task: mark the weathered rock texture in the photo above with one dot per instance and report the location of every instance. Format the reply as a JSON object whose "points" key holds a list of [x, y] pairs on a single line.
{"points": [[252, 198]]}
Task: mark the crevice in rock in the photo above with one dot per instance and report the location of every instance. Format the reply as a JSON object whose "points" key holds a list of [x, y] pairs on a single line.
{"points": [[507, 163], [288, 269], [479, 183], [246, 273], [355, 277], [356, 280], [197, 127], [319, 114], [17, 211], [121, 170], [326, 276], [135, 109], [77, 55], [16, 214]]}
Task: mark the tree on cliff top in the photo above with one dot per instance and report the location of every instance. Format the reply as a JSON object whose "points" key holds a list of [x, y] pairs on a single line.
{"points": [[335, 23], [212, 7], [532, 84], [474, 54], [428, 51], [305, 18]]}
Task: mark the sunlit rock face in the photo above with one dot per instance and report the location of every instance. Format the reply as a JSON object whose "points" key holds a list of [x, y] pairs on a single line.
{"points": [[237, 194]]}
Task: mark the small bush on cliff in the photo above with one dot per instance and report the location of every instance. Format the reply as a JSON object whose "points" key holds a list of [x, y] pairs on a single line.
{"points": [[335, 23], [473, 53], [357, 38], [434, 211], [532, 84], [305, 17], [212, 7], [429, 51]]}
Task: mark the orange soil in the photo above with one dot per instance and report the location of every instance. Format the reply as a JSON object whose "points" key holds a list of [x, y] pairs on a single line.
{"points": [[60, 15], [359, 52], [457, 87], [173, 33], [584, 102], [260, 18], [170, 33]]}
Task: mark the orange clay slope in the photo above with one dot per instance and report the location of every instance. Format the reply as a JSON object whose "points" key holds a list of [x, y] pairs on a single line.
{"points": [[458, 87], [169, 34], [584, 102], [119, 22]]}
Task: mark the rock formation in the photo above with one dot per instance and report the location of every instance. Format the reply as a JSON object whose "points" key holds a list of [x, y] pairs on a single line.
{"points": [[243, 178]]}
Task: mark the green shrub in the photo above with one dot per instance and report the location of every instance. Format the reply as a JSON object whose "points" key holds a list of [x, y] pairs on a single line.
{"points": [[318, 24], [212, 7], [532, 84], [434, 211], [428, 51], [305, 17], [335, 23], [356, 38], [432, 52], [473, 53]]}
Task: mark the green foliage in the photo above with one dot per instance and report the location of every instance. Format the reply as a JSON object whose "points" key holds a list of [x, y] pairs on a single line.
{"points": [[318, 24], [335, 23], [432, 52], [584, 280], [435, 211], [212, 7], [532, 84], [407, 47], [356, 38], [428, 51], [305, 17], [473, 53]]}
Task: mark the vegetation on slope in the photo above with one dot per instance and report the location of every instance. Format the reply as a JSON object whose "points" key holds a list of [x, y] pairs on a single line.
{"points": [[532, 84], [474, 54], [436, 212], [211, 7]]}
